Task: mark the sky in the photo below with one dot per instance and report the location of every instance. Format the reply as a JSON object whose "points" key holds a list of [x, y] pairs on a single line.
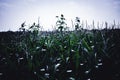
{"points": [[14, 12]]}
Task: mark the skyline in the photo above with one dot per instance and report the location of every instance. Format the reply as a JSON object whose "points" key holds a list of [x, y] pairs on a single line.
{"points": [[14, 12]]}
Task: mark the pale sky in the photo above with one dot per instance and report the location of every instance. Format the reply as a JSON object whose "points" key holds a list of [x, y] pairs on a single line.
{"points": [[14, 12]]}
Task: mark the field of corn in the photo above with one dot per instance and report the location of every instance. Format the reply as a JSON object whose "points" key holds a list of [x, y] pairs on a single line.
{"points": [[82, 54]]}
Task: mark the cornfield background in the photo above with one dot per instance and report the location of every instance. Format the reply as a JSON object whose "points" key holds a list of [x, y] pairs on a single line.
{"points": [[81, 54]]}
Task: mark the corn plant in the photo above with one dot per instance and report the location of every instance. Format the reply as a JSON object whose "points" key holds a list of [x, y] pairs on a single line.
{"points": [[63, 55]]}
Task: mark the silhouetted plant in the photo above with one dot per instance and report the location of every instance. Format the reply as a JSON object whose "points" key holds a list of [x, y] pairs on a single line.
{"points": [[61, 24], [22, 28], [77, 24]]}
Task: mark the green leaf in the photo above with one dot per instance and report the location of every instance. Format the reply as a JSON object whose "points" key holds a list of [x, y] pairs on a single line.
{"points": [[86, 46]]}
